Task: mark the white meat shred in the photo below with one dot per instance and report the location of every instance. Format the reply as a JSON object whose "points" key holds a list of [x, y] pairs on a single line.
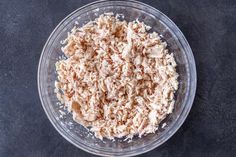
{"points": [[116, 78]]}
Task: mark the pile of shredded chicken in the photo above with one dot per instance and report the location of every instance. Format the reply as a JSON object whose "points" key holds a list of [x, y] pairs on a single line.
{"points": [[117, 79]]}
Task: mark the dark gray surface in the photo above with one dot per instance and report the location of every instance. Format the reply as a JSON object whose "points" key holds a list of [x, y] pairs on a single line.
{"points": [[210, 28]]}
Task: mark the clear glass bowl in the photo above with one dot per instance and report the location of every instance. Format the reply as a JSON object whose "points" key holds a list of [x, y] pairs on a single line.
{"points": [[78, 135]]}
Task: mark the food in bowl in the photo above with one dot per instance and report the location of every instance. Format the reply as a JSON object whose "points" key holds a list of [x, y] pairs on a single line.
{"points": [[118, 78]]}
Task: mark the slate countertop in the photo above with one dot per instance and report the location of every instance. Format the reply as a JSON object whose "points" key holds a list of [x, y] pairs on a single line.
{"points": [[210, 128]]}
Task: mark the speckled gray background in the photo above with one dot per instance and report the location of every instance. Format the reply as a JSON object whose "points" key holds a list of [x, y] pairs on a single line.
{"points": [[210, 28]]}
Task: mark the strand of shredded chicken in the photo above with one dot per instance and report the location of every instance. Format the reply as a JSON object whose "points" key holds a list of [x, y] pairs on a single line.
{"points": [[117, 79]]}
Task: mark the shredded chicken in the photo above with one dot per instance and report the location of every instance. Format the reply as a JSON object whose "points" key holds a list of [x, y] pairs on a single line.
{"points": [[117, 79]]}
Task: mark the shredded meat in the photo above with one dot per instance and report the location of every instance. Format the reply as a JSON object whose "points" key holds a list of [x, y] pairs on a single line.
{"points": [[117, 78]]}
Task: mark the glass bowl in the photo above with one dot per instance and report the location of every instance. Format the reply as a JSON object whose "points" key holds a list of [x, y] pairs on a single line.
{"points": [[78, 135]]}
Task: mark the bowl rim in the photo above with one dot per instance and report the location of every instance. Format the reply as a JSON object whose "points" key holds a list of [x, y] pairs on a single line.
{"points": [[192, 84]]}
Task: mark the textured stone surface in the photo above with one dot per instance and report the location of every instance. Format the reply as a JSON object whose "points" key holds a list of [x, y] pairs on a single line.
{"points": [[209, 26]]}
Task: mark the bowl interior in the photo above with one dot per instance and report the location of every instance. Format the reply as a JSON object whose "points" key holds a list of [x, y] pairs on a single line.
{"points": [[77, 134]]}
